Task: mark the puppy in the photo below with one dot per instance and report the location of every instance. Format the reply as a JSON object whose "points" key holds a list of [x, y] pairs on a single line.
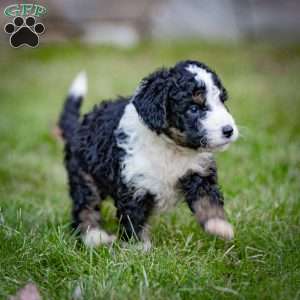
{"points": [[148, 151]]}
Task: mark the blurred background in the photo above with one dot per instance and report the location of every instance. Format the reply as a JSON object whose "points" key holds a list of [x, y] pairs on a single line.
{"points": [[127, 22]]}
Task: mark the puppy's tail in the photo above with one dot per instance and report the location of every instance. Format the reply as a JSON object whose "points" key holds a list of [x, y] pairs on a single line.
{"points": [[69, 118]]}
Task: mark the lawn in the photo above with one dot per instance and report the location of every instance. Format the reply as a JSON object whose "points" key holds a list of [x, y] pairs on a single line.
{"points": [[259, 176]]}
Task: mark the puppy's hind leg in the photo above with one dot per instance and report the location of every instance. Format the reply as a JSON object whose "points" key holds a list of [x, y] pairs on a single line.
{"points": [[86, 208]]}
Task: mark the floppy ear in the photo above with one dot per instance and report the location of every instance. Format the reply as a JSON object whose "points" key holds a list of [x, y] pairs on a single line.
{"points": [[151, 97]]}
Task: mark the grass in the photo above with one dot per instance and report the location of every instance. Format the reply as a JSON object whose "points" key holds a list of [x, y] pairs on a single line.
{"points": [[259, 176]]}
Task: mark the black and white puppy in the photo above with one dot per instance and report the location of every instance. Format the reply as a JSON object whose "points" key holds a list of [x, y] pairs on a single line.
{"points": [[148, 151]]}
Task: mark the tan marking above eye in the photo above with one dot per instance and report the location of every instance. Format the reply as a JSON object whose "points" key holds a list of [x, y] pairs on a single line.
{"points": [[198, 97]]}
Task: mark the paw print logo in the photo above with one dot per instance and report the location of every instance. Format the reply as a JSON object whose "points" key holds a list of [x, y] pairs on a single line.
{"points": [[24, 33]]}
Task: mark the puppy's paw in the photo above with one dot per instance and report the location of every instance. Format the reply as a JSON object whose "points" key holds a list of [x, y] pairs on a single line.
{"points": [[145, 246], [138, 246], [95, 237], [219, 227]]}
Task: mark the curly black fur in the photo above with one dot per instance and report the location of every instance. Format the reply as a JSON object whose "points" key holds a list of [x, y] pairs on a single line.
{"points": [[196, 187]]}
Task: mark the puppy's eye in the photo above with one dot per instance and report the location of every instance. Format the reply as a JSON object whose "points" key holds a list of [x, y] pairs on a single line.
{"points": [[193, 109], [198, 96]]}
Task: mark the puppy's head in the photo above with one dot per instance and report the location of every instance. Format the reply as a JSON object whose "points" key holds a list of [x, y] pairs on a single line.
{"points": [[187, 103]]}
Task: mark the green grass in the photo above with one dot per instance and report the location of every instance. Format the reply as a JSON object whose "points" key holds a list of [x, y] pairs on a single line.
{"points": [[259, 176]]}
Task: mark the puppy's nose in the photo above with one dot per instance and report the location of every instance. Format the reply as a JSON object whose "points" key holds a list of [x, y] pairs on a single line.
{"points": [[227, 131]]}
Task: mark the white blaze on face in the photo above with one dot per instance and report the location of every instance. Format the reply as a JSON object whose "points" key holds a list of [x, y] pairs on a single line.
{"points": [[217, 116]]}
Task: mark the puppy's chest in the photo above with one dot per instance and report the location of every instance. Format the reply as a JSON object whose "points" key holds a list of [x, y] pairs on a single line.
{"points": [[152, 164], [158, 170]]}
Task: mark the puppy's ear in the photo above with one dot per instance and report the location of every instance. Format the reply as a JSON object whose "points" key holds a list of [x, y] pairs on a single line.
{"points": [[151, 97]]}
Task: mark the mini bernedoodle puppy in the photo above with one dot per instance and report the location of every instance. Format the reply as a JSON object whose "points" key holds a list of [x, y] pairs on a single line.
{"points": [[148, 152]]}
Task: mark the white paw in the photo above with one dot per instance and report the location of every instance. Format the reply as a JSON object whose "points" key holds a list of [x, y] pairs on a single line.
{"points": [[137, 246], [145, 246], [220, 228], [95, 237]]}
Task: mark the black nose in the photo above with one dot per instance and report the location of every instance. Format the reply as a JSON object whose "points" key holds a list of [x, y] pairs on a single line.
{"points": [[227, 131]]}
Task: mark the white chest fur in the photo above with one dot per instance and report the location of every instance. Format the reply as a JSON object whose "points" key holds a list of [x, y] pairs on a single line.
{"points": [[153, 163]]}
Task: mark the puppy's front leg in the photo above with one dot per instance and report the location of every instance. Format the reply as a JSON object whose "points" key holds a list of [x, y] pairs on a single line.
{"points": [[206, 202], [133, 211]]}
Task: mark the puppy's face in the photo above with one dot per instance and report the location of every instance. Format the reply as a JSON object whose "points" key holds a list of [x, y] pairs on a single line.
{"points": [[187, 103]]}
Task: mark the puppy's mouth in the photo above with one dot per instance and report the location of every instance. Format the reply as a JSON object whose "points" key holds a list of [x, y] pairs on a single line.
{"points": [[219, 147], [222, 144], [203, 144]]}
